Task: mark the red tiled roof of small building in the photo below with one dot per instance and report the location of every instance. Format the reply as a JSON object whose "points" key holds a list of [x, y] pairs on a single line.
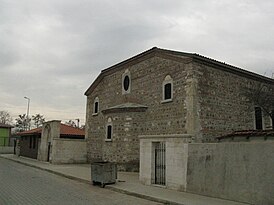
{"points": [[32, 131], [250, 133], [64, 130], [69, 130]]}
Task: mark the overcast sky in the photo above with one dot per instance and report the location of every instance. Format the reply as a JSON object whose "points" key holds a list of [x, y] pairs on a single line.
{"points": [[52, 50]]}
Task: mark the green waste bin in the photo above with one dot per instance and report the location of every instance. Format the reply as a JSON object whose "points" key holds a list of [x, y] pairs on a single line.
{"points": [[103, 173]]}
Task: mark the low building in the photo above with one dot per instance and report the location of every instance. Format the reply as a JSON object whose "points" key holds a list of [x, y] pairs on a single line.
{"points": [[54, 142], [29, 142], [5, 134], [248, 136]]}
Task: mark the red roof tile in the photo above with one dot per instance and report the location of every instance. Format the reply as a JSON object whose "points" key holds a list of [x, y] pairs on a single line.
{"points": [[250, 133], [5, 126], [30, 132], [64, 130], [69, 130]]}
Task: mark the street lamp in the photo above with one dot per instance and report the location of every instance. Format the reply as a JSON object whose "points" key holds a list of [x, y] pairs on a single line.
{"points": [[28, 111]]}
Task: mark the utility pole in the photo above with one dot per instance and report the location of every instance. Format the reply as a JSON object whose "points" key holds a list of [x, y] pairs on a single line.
{"points": [[28, 122]]}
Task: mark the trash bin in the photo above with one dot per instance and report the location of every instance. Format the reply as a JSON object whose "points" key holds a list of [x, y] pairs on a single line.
{"points": [[103, 173]]}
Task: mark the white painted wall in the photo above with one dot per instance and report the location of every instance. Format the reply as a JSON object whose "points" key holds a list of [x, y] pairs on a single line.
{"points": [[240, 171], [176, 159], [50, 130]]}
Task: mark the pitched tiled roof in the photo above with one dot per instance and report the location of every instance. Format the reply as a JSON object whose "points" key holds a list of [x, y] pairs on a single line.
{"points": [[69, 130], [31, 132], [64, 130], [194, 56], [5, 126]]}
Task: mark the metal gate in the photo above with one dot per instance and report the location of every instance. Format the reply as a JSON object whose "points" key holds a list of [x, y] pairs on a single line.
{"points": [[160, 163]]}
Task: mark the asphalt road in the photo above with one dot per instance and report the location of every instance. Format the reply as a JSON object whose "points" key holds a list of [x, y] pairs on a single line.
{"points": [[20, 184]]}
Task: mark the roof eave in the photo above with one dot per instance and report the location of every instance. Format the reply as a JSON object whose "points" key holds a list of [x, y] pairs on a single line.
{"points": [[194, 56], [232, 69], [28, 134], [118, 65]]}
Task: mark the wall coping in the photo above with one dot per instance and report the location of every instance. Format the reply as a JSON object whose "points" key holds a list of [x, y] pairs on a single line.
{"points": [[165, 136], [65, 139]]}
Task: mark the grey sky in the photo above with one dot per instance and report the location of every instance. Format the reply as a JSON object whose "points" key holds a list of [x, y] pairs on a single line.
{"points": [[52, 50]]}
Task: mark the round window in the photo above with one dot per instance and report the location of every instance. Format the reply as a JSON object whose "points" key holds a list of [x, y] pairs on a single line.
{"points": [[126, 83]]}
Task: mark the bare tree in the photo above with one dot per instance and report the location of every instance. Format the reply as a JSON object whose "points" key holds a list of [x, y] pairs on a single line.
{"points": [[71, 123], [38, 120], [262, 95], [5, 117], [22, 123]]}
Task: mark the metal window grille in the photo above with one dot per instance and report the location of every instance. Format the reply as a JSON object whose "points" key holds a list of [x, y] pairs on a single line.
{"points": [[34, 143], [160, 163], [30, 142]]}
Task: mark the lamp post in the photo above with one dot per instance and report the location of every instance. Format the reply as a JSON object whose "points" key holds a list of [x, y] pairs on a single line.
{"points": [[28, 112]]}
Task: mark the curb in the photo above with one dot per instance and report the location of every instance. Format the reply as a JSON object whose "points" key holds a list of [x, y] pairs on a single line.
{"points": [[150, 198], [48, 170], [110, 187]]}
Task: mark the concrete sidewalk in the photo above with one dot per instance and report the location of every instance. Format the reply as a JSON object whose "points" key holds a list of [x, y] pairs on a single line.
{"points": [[128, 183]]}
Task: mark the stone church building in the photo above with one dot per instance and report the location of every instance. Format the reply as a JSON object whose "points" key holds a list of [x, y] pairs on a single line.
{"points": [[160, 93]]}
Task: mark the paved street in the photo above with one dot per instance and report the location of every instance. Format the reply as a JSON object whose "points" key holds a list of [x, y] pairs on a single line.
{"points": [[20, 184]]}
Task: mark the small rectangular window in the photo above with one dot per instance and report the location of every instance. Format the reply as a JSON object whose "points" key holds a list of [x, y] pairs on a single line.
{"points": [[167, 91], [109, 132], [258, 118], [96, 107]]}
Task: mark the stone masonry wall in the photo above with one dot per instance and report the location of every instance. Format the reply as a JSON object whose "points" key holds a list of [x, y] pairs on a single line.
{"points": [[223, 107], [146, 89], [124, 148], [207, 102]]}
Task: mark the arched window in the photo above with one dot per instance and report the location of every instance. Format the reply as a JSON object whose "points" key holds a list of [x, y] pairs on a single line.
{"points": [[167, 89], [126, 82], [258, 118], [109, 130], [96, 106]]}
